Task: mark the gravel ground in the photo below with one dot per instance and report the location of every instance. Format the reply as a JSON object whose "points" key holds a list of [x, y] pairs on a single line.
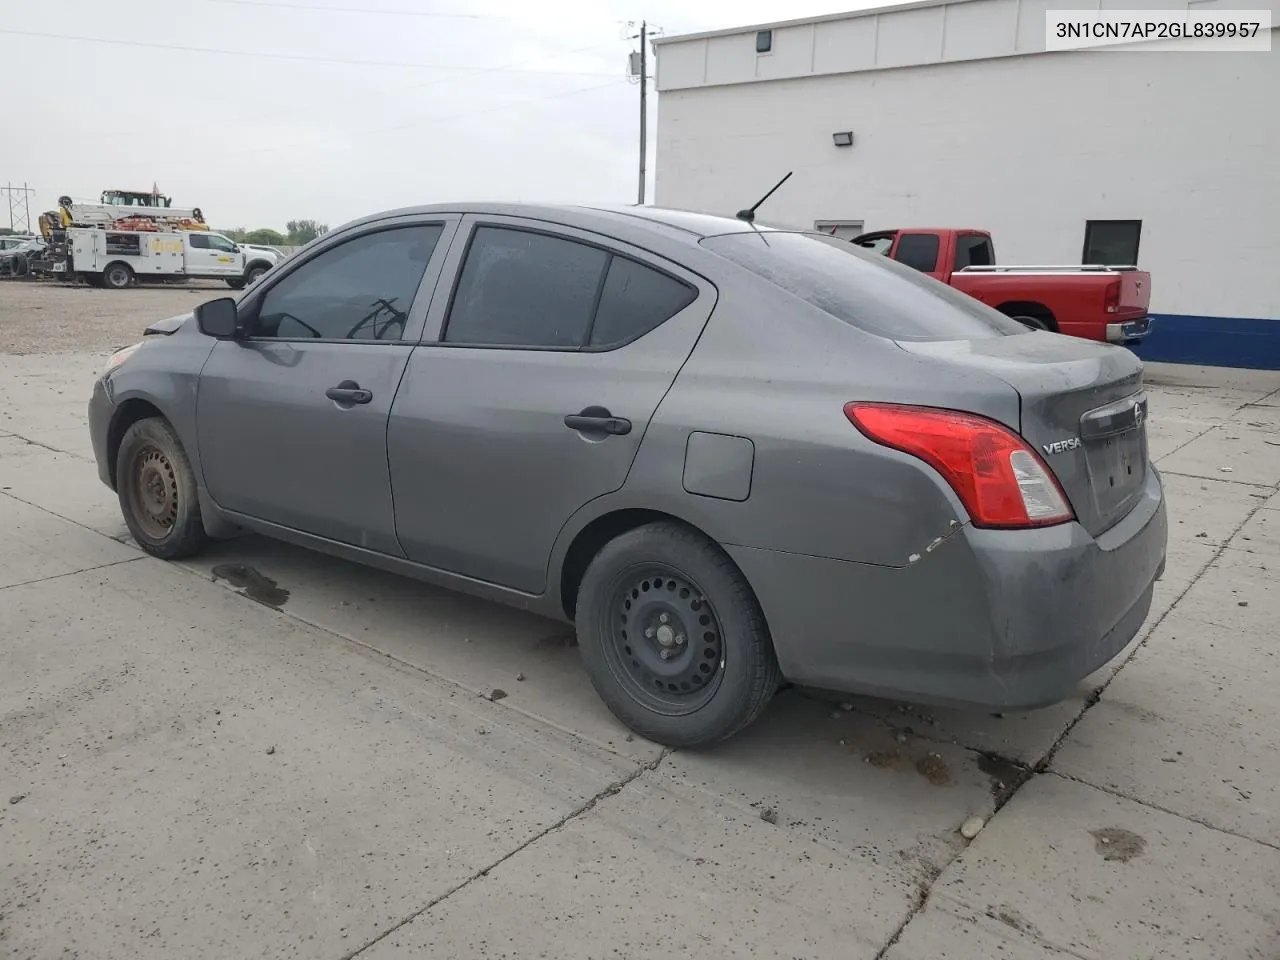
{"points": [[67, 318]]}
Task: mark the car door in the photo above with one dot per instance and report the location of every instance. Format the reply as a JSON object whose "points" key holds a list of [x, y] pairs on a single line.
{"points": [[200, 258], [551, 355], [226, 259], [292, 420]]}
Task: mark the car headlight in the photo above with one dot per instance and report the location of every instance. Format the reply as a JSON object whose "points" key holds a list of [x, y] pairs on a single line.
{"points": [[119, 357]]}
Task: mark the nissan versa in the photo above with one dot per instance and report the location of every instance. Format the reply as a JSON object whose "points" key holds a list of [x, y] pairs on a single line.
{"points": [[731, 455]]}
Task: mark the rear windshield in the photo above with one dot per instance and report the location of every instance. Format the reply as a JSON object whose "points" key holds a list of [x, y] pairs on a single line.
{"points": [[861, 288]]}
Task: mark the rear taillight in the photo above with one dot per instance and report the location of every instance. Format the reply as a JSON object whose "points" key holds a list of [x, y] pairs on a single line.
{"points": [[1111, 298], [997, 476]]}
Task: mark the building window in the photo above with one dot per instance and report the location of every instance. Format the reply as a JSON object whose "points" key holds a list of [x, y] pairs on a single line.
{"points": [[764, 41], [1112, 242]]}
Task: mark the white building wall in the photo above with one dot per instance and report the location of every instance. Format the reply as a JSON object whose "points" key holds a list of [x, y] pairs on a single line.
{"points": [[1026, 146]]}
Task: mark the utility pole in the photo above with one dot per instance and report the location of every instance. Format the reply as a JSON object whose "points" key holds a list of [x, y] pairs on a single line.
{"points": [[638, 71], [20, 207], [644, 103]]}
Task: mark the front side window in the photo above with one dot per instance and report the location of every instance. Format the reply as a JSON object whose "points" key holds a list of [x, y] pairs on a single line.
{"points": [[523, 289], [359, 290], [217, 242]]}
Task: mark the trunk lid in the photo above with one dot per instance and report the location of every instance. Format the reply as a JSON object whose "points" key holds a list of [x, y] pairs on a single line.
{"points": [[1083, 409]]}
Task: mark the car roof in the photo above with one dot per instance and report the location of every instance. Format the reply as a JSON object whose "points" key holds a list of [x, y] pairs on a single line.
{"points": [[616, 220]]}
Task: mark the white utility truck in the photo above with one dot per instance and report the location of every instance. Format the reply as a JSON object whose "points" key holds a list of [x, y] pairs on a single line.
{"points": [[116, 258], [134, 236]]}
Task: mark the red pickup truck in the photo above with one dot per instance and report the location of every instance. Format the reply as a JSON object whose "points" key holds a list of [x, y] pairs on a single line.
{"points": [[1093, 302]]}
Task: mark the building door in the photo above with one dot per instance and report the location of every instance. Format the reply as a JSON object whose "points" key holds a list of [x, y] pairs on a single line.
{"points": [[841, 229]]}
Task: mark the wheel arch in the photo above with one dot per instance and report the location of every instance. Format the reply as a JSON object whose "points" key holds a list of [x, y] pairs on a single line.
{"points": [[126, 414], [590, 538], [254, 264], [1029, 308]]}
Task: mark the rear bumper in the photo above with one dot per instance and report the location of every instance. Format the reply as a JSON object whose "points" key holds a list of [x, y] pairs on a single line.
{"points": [[1000, 619], [1129, 331]]}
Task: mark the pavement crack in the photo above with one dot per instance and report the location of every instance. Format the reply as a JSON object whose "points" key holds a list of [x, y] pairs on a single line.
{"points": [[45, 446], [1043, 764], [1173, 813], [70, 573], [586, 807], [83, 526], [1041, 767], [1201, 476]]}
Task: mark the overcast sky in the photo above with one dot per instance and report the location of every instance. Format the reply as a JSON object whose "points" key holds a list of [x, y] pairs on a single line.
{"points": [[455, 99]]}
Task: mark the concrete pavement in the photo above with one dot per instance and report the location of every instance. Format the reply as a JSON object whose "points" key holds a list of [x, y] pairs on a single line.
{"points": [[376, 768]]}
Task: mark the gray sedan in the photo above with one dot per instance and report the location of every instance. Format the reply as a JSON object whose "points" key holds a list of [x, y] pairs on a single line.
{"points": [[731, 455]]}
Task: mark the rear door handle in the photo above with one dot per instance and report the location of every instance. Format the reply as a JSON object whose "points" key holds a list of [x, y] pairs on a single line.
{"points": [[598, 420], [349, 392]]}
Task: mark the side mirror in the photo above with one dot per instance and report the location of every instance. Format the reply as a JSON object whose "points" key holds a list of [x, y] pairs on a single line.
{"points": [[217, 318]]}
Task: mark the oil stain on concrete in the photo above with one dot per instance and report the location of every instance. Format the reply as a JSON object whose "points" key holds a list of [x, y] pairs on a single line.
{"points": [[1116, 843], [252, 584]]}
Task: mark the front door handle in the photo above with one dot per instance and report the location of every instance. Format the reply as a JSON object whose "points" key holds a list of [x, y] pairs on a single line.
{"points": [[598, 421], [349, 392]]}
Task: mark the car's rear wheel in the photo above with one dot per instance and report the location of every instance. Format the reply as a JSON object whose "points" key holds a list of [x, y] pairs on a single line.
{"points": [[157, 491], [673, 638], [236, 283]]}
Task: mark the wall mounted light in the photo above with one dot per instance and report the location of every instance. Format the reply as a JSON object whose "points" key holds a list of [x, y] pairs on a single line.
{"points": [[842, 138]]}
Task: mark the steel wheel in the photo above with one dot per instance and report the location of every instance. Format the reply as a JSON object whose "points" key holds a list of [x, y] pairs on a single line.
{"points": [[157, 490], [154, 492], [117, 276], [666, 643]]}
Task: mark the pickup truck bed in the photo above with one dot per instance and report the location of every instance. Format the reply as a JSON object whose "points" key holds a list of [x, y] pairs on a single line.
{"points": [[1095, 302]]}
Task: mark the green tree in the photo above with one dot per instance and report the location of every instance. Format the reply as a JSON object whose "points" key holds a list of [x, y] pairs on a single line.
{"points": [[304, 231], [265, 236], [237, 234]]}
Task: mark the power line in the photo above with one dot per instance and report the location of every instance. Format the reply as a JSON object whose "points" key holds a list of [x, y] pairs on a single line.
{"points": [[441, 119], [297, 56], [399, 13], [278, 111]]}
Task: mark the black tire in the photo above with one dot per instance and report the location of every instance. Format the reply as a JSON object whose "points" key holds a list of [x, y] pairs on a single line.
{"points": [[117, 276], [157, 491], [721, 671], [253, 274], [236, 283]]}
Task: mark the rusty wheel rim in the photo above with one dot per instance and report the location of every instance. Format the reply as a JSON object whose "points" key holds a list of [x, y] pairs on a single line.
{"points": [[154, 493]]}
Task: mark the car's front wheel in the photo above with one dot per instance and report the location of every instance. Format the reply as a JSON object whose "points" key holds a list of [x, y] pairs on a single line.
{"points": [[673, 638], [157, 491]]}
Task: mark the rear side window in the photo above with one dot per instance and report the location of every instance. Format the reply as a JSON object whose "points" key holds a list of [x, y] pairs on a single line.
{"points": [[918, 250], [523, 289], [863, 289], [636, 299], [973, 251]]}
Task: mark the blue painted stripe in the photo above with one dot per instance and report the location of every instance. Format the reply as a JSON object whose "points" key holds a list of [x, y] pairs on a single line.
{"points": [[1212, 341]]}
